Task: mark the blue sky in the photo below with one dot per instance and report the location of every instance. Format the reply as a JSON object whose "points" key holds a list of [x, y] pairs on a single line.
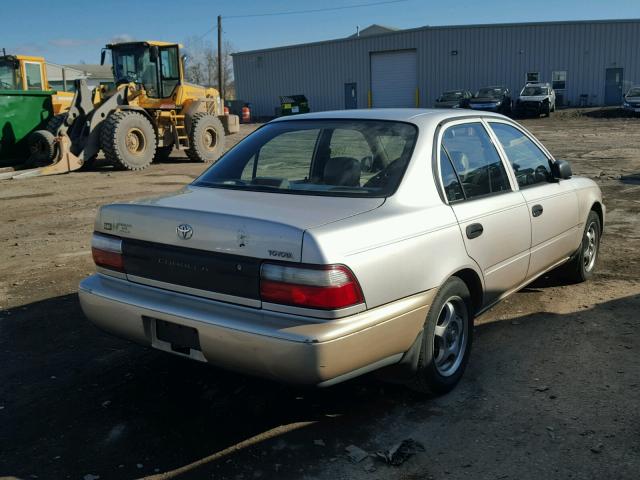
{"points": [[74, 31]]}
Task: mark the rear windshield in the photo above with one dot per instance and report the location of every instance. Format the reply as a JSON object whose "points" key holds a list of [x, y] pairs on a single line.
{"points": [[363, 158]]}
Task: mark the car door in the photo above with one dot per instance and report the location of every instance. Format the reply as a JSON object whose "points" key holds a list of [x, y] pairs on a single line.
{"points": [[552, 204], [493, 218]]}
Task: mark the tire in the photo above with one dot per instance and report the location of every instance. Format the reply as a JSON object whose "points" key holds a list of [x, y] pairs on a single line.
{"points": [[206, 138], [546, 109], [41, 147], [582, 263], [553, 107], [55, 122], [438, 376], [128, 140]]}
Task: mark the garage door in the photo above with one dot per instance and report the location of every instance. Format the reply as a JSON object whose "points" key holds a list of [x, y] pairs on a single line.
{"points": [[394, 79]]}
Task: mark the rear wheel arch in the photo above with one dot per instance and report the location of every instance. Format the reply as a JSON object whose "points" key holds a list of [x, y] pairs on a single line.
{"points": [[474, 284]]}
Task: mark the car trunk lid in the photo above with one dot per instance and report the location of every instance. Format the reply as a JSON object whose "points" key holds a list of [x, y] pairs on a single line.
{"points": [[214, 240]]}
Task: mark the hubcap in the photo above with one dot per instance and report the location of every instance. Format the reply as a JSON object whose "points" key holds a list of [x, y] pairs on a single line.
{"points": [[135, 140], [450, 340], [210, 139], [590, 247]]}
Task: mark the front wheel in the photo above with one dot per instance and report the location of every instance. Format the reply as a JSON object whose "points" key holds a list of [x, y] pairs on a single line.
{"points": [[128, 140], [583, 262], [446, 340]]}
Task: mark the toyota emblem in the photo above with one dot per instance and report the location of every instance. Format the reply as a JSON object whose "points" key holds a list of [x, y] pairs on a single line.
{"points": [[184, 231]]}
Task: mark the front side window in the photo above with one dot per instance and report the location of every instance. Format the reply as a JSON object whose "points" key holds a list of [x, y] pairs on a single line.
{"points": [[33, 72], [131, 63], [10, 75], [363, 158], [475, 160], [170, 70], [529, 163]]}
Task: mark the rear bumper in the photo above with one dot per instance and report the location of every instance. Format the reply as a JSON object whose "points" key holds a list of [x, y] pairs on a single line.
{"points": [[274, 345]]}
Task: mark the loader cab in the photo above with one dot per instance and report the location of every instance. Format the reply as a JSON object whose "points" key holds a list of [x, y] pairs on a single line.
{"points": [[154, 65], [20, 72]]}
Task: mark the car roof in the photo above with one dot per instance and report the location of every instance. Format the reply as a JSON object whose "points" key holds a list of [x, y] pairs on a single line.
{"points": [[411, 115]]}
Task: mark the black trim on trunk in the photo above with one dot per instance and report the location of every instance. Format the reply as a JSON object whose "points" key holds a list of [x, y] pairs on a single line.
{"points": [[215, 272]]}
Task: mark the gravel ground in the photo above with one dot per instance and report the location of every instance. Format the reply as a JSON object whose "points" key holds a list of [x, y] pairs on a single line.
{"points": [[552, 391]]}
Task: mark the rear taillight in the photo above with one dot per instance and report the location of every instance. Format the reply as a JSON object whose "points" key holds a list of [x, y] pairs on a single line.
{"points": [[327, 287], [107, 252]]}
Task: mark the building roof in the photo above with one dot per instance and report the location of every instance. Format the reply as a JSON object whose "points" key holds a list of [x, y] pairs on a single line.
{"points": [[373, 29], [93, 70], [354, 38]]}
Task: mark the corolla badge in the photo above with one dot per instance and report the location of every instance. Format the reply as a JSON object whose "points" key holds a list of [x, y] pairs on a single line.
{"points": [[184, 231]]}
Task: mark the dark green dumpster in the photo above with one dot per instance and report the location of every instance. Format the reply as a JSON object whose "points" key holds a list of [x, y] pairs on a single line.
{"points": [[21, 112], [293, 104]]}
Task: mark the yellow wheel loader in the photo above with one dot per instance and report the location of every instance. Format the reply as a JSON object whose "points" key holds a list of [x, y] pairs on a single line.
{"points": [[150, 111]]}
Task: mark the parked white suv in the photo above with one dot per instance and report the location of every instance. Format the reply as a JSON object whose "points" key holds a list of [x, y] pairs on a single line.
{"points": [[327, 245], [536, 99]]}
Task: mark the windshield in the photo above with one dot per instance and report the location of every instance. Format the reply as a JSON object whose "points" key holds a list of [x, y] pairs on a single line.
{"points": [[9, 75], [363, 158], [533, 91], [634, 92], [489, 93], [450, 96], [131, 63]]}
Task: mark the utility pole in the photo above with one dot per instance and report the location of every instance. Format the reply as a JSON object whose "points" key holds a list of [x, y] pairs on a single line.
{"points": [[220, 86]]}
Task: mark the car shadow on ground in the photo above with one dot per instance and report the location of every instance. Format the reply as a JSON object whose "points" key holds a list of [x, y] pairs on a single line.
{"points": [[75, 401]]}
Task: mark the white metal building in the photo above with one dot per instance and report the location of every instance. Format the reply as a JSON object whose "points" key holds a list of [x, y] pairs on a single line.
{"points": [[588, 62]]}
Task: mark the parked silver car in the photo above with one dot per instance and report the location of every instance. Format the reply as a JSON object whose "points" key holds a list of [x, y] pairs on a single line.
{"points": [[328, 245]]}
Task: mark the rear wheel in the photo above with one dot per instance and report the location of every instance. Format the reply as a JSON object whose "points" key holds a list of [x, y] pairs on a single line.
{"points": [[446, 340], [128, 140], [41, 147], [206, 138]]}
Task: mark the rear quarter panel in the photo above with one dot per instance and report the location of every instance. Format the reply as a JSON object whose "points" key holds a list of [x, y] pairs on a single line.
{"points": [[394, 252]]}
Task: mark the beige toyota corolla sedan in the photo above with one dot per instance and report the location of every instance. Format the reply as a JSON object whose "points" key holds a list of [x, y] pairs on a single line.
{"points": [[328, 245]]}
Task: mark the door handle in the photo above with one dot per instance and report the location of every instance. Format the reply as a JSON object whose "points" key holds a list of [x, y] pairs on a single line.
{"points": [[536, 210], [474, 230]]}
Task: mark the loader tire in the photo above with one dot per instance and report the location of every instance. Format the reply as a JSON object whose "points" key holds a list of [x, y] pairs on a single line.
{"points": [[128, 140], [41, 147], [206, 138], [55, 122]]}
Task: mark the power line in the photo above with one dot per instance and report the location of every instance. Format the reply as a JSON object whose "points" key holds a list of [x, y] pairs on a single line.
{"points": [[317, 10]]}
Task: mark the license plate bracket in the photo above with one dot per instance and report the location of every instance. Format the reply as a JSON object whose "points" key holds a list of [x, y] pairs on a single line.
{"points": [[182, 339]]}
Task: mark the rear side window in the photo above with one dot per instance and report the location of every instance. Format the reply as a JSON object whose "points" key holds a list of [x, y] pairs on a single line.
{"points": [[529, 163], [450, 181], [475, 160]]}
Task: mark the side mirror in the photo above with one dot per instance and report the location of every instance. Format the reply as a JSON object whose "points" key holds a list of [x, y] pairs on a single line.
{"points": [[184, 60], [561, 170], [154, 53], [102, 56]]}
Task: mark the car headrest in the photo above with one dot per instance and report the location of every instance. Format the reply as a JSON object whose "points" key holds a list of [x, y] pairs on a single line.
{"points": [[342, 171]]}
